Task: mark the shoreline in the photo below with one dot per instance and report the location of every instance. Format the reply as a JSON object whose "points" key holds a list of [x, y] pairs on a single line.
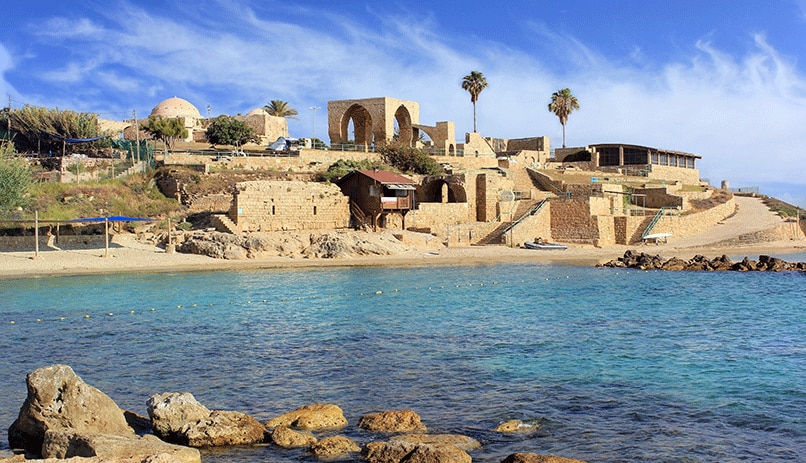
{"points": [[136, 258]]}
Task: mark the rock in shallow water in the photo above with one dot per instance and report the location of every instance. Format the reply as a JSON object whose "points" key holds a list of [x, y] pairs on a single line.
{"points": [[181, 419], [60, 399], [392, 421], [313, 417]]}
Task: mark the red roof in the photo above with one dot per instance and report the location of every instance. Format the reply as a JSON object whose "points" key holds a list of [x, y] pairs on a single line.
{"points": [[385, 177]]}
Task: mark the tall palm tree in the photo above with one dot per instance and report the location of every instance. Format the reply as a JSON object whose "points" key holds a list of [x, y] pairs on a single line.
{"points": [[562, 104], [280, 108], [474, 83]]}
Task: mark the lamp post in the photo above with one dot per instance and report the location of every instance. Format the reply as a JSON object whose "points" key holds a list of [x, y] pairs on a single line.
{"points": [[314, 108]]}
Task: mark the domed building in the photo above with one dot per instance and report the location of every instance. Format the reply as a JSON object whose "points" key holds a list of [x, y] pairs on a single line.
{"points": [[178, 108]]}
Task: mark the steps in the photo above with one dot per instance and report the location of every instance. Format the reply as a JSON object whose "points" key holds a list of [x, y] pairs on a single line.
{"points": [[223, 224]]}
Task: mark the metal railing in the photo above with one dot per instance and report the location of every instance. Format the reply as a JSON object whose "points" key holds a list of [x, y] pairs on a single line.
{"points": [[661, 212], [534, 210]]}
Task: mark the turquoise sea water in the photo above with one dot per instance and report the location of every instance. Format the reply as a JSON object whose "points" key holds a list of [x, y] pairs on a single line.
{"points": [[613, 365]]}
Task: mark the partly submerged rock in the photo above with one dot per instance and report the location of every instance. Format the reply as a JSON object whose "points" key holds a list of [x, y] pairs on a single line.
{"points": [[69, 443], [171, 412], [392, 421], [398, 452], [440, 440], [313, 417], [287, 438], [334, 447], [181, 419], [60, 399]]}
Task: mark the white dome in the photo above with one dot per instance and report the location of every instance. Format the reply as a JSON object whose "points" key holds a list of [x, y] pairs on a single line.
{"points": [[176, 107]]}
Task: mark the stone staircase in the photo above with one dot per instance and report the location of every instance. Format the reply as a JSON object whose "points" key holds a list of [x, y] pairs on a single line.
{"points": [[224, 224]]}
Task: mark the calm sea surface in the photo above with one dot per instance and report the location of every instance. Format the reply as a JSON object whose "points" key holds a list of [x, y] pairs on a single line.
{"points": [[611, 365]]}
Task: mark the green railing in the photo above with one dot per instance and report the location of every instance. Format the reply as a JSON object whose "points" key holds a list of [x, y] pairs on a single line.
{"points": [[661, 212]]}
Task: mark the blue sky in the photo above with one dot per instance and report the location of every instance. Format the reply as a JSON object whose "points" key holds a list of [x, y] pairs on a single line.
{"points": [[724, 79]]}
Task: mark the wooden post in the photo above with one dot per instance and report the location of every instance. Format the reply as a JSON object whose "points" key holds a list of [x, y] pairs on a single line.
{"points": [[106, 236], [36, 234]]}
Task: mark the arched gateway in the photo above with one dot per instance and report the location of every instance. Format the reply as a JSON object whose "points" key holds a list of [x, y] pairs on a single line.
{"points": [[373, 120]]}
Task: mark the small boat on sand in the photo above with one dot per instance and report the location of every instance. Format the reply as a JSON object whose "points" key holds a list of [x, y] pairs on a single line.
{"points": [[538, 243]]}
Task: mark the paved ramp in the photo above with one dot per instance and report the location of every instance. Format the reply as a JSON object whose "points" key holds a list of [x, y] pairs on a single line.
{"points": [[751, 215]]}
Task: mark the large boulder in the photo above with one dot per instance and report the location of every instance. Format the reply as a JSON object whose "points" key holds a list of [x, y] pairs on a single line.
{"points": [[67, 444], [535, 458], [60, 399], [439, 440], [181, 419], [398, 452], [332, 447], [391, 421], [313, 417], [171, 412], [287, 438]]}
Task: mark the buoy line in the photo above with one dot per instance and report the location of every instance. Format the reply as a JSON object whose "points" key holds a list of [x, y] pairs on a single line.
{"points": [[368, 293]]}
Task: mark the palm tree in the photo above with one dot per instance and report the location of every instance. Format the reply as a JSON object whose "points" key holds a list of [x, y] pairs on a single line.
{"points": [[562, 104], [474, 83], [280, 108]]}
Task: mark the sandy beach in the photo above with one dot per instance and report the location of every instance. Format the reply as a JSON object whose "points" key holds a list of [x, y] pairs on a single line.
{"points": [[127, 255]]}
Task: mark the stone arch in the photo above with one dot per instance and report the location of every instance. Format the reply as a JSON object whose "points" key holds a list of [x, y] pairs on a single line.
{"points": [[405, 134], [442, 190], [362, 125]]}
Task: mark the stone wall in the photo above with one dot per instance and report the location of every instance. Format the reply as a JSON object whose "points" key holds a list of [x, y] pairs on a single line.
{"points": [[670, 174], [307, 161], [571, 221], [289, 205], [475, 144], [435, 217], [530, 144], [538, 225], [657, 198]]}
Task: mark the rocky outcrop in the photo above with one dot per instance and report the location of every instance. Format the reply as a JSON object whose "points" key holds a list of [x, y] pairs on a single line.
{"points": [[643, 261], [60, 399], [325, 245], [68, 443], [313, 417], [535, 458], [397, 452], [179, 418], [334, 447], [440, 440], [287, 438], [392, 421]]}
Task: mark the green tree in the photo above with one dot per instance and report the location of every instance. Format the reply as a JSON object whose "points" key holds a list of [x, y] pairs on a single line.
{"points": [[225, 130], [15, 180], [474, 83], [563, 103], [35, 128], [280, 108], [165, 130], [409, 159]]}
